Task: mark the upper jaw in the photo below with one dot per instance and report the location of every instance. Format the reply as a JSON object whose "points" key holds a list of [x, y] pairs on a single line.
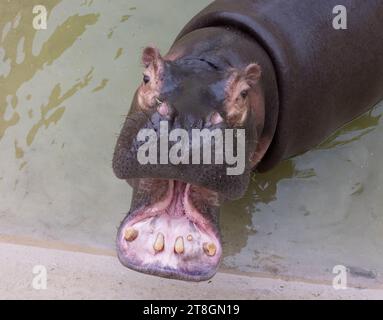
{"points": [[170, 238], [213, 176]]}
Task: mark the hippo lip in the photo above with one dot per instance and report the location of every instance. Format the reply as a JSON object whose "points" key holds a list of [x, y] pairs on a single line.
{"points": [[170, 238]]}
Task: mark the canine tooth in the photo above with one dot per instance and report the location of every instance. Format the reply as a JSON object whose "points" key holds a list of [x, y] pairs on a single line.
{"points": [[189, 237], [159, 243], [179, 245], [209, 248], [130, 234]]}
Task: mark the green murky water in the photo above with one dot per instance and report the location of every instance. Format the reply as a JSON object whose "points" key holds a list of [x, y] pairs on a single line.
{"points": [[63, 94]]}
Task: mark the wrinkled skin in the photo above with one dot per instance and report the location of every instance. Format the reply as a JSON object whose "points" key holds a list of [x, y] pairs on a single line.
{"points": [[204, 82]]}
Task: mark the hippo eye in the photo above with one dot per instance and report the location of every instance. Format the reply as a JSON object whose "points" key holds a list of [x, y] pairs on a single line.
{"points": [[244, 94], [146, 78]]}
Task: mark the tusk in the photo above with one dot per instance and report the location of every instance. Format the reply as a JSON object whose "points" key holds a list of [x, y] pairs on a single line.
{"points": [[130, 234], [179, 245], [159, 243], [209, 248]]}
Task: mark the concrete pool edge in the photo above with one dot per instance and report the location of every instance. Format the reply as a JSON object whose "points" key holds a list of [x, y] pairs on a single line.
{"points": [[75, 275], [50, 248]]}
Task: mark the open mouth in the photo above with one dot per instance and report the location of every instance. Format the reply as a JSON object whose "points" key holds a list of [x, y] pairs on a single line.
{"points": [[175, 235]]}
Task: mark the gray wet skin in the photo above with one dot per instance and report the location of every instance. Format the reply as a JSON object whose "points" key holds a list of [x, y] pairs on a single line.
{"points": [[172, 227], [218, 77]]}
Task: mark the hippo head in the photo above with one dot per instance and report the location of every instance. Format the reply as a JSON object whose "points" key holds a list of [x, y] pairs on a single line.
{"points": [[172, 227]]}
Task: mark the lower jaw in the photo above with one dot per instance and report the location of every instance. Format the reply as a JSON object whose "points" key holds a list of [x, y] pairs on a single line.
{"points": [[170, 238]]}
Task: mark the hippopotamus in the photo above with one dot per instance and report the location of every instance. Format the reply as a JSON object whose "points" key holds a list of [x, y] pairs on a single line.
{"points": [[277, 69]]}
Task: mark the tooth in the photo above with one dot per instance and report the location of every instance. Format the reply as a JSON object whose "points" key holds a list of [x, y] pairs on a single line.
{"points": [[209, 248], [159, 243], [189, 237], [179, 245], [130, 234]]}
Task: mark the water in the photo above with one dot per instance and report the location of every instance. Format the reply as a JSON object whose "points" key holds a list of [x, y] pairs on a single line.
{"points": [[64, 92]]}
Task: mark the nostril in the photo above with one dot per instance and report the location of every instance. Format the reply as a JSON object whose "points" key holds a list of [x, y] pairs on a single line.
{"points": [[216, 118]]}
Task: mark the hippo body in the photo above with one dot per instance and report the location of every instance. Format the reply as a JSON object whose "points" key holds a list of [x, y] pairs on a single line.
{"points": [[326, 77], [276, 69]]}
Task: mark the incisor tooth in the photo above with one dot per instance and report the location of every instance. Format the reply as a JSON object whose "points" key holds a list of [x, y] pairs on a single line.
{"points": [[130, 234], [209, 248], [179, 245], [159, 243]]}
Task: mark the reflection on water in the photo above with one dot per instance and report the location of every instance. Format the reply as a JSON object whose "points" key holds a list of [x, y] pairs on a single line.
{"points": [[23, 64], [315, 200], [62, 93], [56, 99], [354, 130], [263, 186], [236, 228]]}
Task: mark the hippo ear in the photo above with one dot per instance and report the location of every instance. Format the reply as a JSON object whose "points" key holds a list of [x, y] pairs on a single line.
{"points": [[151, 56], [253, 74]]}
